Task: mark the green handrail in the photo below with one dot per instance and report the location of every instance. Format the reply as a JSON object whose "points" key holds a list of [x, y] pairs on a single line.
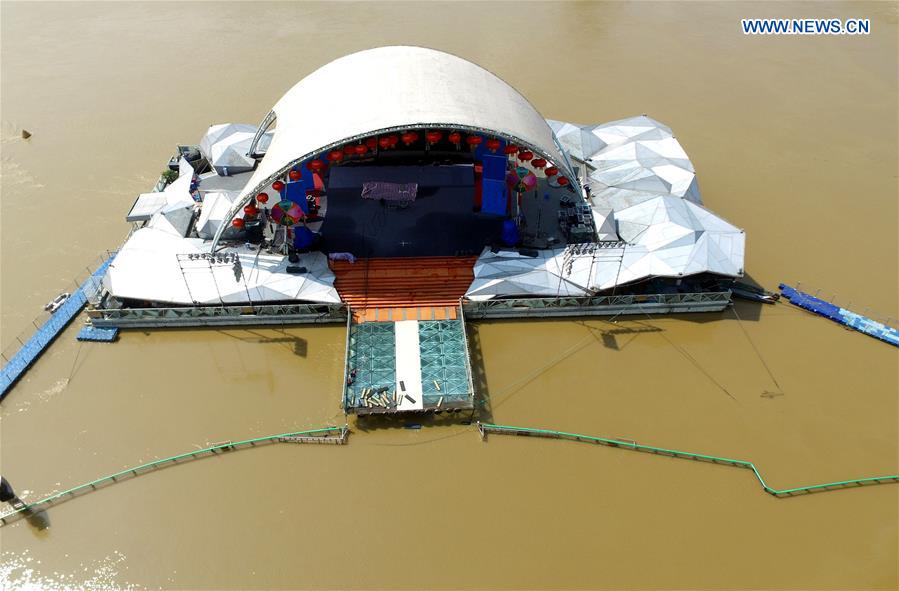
{"points": [[487, 427], [92, 485]]}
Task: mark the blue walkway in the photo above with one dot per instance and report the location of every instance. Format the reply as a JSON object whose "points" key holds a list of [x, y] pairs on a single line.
{"points": [[48, 331], [848, 318]]}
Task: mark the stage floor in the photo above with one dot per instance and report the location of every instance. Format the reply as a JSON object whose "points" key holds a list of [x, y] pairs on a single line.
{"points": [[440, 222]]}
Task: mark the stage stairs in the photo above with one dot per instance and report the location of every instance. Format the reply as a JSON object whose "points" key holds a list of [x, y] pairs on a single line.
{"points": [[404, 288]]}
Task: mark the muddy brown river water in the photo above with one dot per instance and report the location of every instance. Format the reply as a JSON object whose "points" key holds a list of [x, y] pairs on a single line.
{"points": [[794, 139]]}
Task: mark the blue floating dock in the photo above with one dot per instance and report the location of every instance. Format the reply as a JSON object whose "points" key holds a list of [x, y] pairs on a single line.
{"points": [[48, 331], [98, 334], [847, 318]]}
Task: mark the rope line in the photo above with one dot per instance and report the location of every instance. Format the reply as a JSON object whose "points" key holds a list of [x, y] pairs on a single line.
{"points": [[485, 428], [28, 508], [756, 349]]}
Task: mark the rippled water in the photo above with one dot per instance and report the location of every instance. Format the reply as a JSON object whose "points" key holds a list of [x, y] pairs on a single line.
{"points": [[794, 139]]}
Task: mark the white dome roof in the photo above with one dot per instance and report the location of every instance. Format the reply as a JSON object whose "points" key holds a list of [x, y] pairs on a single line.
{"points": [[394, 88]]}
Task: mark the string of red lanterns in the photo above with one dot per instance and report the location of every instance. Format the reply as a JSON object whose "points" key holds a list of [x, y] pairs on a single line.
{"points": [[562, 181], [238, 223], [538, 163], [455, 137], [493, 144], [551, 171], [433, 136], [295, 175], [361, 149], [474, 140], [278, 186], [316, 165], [510, 149], [335, 156], [525, 155], [262, 197]]}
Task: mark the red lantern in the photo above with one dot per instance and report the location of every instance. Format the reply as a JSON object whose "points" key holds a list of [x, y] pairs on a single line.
{"points": [[372, 143], [250, 210], [384, 142], [433, 136], [525, 155], [278, 186], [493, 144], [262, 197], [349, 150], [510, 149], [237, 223], [361, 149], [393, 139], [295, 175], [335, 156], [455, 137], [474, 140], [551, 171], [538, 163], [409, 137], [562, 181], [316, 165]]}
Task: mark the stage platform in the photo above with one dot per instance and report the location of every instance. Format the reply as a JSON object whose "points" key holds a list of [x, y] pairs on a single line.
{"points": [[440, 222]]}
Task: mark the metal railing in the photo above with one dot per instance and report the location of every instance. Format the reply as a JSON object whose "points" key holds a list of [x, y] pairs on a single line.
{"points": [[598, 305], [468, 370], [218, 315]]}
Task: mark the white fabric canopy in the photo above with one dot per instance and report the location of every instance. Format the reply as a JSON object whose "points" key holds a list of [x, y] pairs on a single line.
{"points": [[152, 266], [174, 219], [216, 205], [630, 160], [225, 147], [509, 273], [175, 194], [391, 88]]}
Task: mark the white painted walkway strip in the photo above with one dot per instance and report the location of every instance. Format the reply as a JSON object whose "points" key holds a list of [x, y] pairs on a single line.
{"points": [[408, 365]]}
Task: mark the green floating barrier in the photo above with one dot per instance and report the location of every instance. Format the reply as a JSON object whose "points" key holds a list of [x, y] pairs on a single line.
{"points": [[313, 436], [632, 445]]}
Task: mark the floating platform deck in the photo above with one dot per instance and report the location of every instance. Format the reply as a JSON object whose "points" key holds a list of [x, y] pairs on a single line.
{"points": [[98, 335], [30, 350], [847, 318], [407, 366]]}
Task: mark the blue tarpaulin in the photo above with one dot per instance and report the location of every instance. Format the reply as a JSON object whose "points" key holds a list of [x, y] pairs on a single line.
{"points": [[493, 196], [296, 192], [494, 167], [302, 238]]}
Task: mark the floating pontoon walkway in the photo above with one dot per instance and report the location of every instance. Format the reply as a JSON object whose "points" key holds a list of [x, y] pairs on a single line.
{"points": [[98, 334], [332, 435], [49, 330], [486, 428], [847, 318]]}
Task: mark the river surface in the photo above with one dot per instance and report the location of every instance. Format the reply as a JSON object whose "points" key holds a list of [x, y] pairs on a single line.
{"points": [[794, 139]]}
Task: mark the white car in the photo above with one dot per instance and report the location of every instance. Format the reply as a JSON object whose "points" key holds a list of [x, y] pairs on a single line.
{"points": [[57, 302]]}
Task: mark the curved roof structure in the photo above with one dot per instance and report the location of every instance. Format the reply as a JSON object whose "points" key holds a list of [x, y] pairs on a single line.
{"points": [[388, 89]]}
